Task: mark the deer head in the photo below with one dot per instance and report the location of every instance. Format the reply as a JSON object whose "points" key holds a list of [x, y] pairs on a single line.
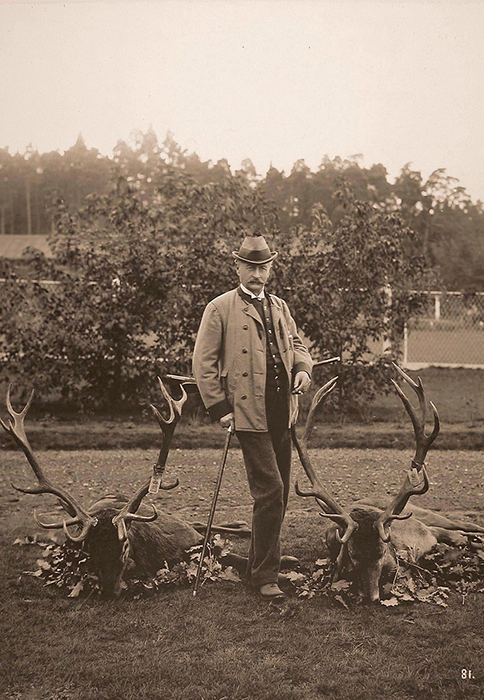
{"points": [[104, 529], [361, 536]]}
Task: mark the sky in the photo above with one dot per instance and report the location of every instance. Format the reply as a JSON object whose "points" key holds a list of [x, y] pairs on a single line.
{"points": [[270, 80]]}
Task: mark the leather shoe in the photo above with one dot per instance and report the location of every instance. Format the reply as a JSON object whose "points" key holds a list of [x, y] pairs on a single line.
{"points": [[271, 591]]}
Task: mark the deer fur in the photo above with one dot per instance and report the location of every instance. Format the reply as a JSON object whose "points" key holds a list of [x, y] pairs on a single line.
{"points": [[119, 533], [366, 537]]}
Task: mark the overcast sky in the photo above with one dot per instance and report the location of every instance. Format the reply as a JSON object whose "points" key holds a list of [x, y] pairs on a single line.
{"points": [[270, 80]]}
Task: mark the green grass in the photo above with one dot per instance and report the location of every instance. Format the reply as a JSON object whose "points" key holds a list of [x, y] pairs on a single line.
{"points": [[226, 643]]}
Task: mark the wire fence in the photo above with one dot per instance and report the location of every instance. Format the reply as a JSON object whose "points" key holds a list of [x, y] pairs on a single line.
{"points": [[449, 334]]}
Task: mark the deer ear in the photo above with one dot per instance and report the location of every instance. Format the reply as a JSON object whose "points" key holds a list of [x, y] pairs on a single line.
{"points": [[383, 530]]}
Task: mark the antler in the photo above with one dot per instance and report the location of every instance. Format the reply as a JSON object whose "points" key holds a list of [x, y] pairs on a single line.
{"points": [[167, 425], [423, 441], [416, 480], [80, 517], [324, 499]]}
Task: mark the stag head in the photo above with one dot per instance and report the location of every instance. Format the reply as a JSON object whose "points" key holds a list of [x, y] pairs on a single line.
{"points": [[360, 539], [105, 530]]}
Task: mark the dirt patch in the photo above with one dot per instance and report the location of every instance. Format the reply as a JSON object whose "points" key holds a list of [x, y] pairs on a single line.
{"points": [[457, 479]]}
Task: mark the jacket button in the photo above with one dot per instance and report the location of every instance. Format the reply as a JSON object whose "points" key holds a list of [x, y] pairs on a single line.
{"points": [[243, 397], [244, 350], [245, 374], [246, 327]]}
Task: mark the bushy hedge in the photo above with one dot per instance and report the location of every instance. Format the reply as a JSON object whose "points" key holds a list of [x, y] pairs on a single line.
{"points": [[135, 271]]}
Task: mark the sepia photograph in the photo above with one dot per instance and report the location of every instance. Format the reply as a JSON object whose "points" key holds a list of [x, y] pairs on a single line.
{"points": [[241, 350]]}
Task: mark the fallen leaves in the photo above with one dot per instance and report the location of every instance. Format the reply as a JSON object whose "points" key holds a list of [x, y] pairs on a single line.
{"points": [[444, 570], [431, 580], [68, 567]]}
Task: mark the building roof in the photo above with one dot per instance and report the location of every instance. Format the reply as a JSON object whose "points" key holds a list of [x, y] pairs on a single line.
{"points": [[12, 246]]}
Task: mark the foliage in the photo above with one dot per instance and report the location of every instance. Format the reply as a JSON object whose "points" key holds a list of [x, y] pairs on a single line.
{"points": [[184, 573], [355, 287], [29, 180], [459, 568], [67, 566], [135, 265], [133, 278], [450, 225], [444, 569], [431, 580], [64, 566], [317, 580], [136, 268]]}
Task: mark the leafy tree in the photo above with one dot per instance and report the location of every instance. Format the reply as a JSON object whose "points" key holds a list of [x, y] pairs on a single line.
{"points": [[138, 260], [449, 224], [18, 191], [451, 227], [134, 276], [6, 192], [337, 279], [298, 192], [29, 180]]}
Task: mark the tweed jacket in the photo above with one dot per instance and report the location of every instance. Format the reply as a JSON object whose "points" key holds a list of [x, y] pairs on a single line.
{"points": [[229, 359]]}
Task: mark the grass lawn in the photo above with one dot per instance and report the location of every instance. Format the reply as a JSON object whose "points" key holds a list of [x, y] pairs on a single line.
{"points": [[457, 393], [226, 644]]}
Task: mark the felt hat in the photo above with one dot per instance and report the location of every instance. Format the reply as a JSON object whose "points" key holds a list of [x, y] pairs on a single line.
{"points": [[254, 249]]}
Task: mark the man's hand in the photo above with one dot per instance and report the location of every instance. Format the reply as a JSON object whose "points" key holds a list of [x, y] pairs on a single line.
{"points": [[302, 382], [228, 421]]}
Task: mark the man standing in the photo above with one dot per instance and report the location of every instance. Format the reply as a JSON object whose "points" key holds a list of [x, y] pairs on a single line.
{"points": [[250, 366]]}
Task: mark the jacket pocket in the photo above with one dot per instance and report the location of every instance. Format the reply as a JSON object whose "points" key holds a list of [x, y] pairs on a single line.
{"points": [[224, 381], [229, 383]]}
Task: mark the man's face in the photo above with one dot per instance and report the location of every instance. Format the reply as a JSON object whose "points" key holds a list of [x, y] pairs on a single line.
{"points": [[252, 276]]}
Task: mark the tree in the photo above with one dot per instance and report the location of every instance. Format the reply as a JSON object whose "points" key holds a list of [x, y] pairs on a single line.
{"points": [[337, 280], [451, 227], [6, 192], [137, 262], [133, 278], [298, 192]]}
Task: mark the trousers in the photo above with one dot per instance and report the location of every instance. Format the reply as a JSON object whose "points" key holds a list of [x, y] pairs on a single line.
{"points": [[267, 459]]}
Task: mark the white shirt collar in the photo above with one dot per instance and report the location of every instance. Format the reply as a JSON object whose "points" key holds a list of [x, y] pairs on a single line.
{"points": [[259, 296]]}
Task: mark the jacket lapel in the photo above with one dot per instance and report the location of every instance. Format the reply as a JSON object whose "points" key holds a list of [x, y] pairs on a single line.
{"points": [[250, 310]]}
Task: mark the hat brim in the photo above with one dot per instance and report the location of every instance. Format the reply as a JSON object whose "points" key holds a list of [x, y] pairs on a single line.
{"points": [[272, 257]]}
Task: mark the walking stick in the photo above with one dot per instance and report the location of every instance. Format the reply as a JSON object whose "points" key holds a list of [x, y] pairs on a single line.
{"points": [[326, 362], [212, 509]]}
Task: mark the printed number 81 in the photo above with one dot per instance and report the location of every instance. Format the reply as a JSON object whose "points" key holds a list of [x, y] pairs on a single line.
{"points": [[466, 674]]}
